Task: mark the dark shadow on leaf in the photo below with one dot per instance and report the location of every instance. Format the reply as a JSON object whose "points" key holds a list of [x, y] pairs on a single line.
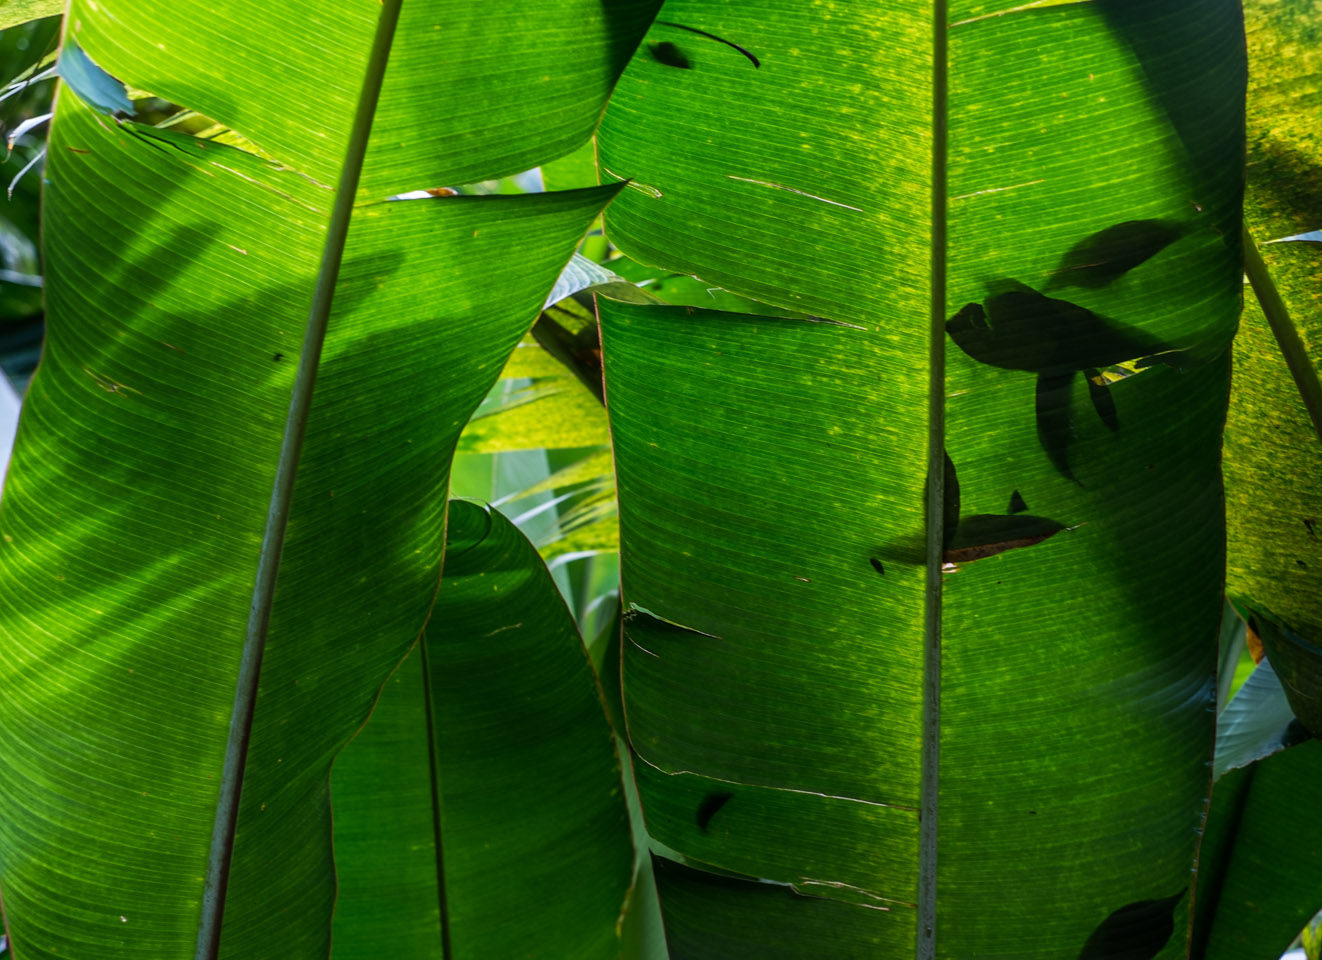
{"points": [[1017, 328], [986, 534], [1017, 504], [1109, 254], [710, 806], [1137, 931], [1054, 429], [667, 54], [950, 503], [1102, 401]]}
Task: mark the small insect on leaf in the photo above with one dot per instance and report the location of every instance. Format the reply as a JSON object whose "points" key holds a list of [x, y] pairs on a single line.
{"points": [[877, 565], [1017, 504]]}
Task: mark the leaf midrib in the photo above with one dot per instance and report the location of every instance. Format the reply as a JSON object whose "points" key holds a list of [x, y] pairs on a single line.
{"points": [[221, 851], [1283, 328], [925, 948]]}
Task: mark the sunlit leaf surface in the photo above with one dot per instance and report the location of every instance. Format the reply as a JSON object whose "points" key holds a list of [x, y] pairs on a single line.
{"points": [[141, 533], [1032, 178]]}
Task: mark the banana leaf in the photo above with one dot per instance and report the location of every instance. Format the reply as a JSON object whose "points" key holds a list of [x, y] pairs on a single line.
{"points": [[924, 590], [1260, 865], [208, 568], [480, 811]]}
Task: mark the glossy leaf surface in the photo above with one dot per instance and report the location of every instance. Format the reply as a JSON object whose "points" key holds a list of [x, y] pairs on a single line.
{"points": [[522, 814]]}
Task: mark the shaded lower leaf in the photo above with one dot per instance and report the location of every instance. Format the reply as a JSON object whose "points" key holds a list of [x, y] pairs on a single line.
{"points": [[1260, 863], [523, 818], [711, 917]]}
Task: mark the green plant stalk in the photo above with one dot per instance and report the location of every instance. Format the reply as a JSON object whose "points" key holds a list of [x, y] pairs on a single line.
{"points": [[1292, 348], [245, 697], [936, 457]]}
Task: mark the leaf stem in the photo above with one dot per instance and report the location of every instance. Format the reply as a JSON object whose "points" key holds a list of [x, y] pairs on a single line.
{"points": [[268, 566], [925, 948], [1278, 317]]}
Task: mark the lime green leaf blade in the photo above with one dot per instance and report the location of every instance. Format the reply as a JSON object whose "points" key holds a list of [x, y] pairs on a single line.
{"points": [[1312, 937], [781, 542], [14, 12], [180, 278], [534, 839], [554, 411], [470, 94], [1273, 453]]}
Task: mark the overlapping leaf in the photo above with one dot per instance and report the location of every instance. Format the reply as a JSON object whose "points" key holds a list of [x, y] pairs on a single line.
{"points": [[489, 764], [188, 287]]}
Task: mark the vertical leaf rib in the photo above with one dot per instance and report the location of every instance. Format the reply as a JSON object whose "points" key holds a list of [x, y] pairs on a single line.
{"points": [[268, 568], [931, 770], [1278, 316]]}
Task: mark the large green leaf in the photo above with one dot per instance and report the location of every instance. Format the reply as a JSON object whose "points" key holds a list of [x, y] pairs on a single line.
{"points": [[521, 811], [154, 783], [796, 654], [1273, 453], [471, 94]]}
